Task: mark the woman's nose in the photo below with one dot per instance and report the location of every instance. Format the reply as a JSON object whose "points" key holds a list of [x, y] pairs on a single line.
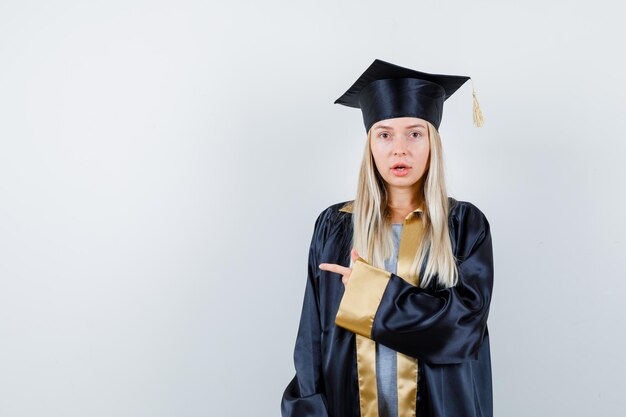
{"points": [[399, 148]]}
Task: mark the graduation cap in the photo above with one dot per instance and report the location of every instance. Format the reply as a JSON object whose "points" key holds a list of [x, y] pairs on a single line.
{"points": [[386, 91]]}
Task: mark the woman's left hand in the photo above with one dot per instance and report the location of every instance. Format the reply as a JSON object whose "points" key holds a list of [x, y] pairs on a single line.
{"points": [[344, 271]]}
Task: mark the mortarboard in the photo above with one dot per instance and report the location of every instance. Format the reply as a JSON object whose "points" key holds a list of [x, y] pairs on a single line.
{"points": [[386, 91]]}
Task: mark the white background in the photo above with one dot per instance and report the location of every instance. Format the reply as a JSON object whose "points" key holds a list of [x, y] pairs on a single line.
{"points": [[162, 165]]}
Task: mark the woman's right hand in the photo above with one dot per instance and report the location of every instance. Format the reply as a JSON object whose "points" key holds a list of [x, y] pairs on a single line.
{"points": [[342, 270]]}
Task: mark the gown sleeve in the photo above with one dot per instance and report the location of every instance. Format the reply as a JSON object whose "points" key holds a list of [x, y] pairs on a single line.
{"points": [[304, 395], [441, 327]]}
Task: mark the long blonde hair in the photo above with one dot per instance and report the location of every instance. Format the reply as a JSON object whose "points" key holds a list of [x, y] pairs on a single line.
{"points": [[372, 225]]}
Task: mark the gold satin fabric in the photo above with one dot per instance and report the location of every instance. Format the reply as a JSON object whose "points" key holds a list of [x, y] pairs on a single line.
{"points": [[361, 298], [412, 233], [366, 366], [407, 375]]}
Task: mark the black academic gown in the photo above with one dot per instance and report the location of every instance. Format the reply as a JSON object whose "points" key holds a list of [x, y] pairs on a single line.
{"points": [[445, 329]]}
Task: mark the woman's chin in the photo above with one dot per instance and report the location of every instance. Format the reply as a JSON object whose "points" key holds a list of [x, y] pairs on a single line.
{"points": [[401, 181]]}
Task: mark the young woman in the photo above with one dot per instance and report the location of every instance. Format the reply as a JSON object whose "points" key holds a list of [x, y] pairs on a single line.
{"points": [[394, 319]]}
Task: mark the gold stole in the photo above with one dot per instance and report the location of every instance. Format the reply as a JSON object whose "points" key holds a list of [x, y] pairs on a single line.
{"points": [[412, 232]]}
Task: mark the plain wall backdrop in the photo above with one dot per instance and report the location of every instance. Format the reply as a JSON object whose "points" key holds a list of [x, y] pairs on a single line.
{"points": [[162, 164]]}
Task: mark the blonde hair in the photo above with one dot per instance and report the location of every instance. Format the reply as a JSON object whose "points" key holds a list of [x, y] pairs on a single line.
{"points": [[372, 223]]}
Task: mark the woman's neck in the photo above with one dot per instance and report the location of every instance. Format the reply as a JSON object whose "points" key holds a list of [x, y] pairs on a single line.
{"points": [[404, 200]]}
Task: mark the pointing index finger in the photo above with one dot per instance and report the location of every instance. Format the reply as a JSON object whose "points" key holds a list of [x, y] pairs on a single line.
{"points": [[335, 268]]}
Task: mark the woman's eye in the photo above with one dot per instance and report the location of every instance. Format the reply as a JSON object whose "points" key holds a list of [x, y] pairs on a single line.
{"points": [[416, 134], [384, 135]]}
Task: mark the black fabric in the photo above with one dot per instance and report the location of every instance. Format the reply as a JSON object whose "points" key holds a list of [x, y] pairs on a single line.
{"points": [[446, 329], [386, 91]]}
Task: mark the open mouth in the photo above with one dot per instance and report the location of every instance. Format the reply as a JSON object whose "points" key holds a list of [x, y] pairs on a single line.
{"points": [[400, 167], [400, 170]]}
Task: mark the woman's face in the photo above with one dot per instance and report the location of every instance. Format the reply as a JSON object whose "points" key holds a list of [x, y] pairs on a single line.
{"points": [[404, 142]]}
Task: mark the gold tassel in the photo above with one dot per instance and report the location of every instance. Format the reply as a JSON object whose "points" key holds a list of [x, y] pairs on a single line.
{"points": [[478, 114]]}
